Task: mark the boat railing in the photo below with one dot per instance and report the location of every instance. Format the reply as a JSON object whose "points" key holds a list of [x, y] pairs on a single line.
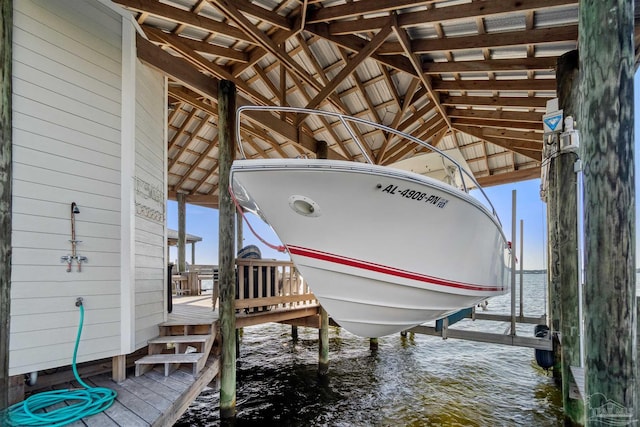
{"points": [[264, 285], [347, 121]]}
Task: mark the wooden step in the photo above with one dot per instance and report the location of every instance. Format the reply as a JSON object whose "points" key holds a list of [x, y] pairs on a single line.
{"points": [[201, 343], [182, 339], [170, 361]]}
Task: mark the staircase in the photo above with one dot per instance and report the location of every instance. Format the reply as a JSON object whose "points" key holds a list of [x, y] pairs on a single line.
{"points": [[179, 345]]}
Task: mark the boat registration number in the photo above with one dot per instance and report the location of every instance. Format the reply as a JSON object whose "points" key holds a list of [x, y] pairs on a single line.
{"points": [[418, 196]]}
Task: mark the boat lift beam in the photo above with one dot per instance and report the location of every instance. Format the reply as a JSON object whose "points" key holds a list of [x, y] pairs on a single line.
{"points": [[487, 337]]}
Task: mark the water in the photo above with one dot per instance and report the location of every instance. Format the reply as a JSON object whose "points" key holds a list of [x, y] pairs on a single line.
{"points": [[412, 381]]}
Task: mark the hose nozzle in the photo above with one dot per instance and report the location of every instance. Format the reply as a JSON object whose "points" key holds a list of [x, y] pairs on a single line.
{"points": [[78, 301]]}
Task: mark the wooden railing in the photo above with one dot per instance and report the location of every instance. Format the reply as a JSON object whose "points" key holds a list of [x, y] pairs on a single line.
{"points": [[263, 285]]}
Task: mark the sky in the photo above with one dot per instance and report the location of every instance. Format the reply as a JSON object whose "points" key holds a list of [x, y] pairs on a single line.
{"points": [[530, 209]]}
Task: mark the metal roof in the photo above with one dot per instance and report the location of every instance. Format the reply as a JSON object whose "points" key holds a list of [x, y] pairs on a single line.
{"points": [[472, 75]]}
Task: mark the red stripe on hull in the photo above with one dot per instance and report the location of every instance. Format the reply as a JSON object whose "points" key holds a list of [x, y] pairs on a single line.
{"points": [[378, 268]]}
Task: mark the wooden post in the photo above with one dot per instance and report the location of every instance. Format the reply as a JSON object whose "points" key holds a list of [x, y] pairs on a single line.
{"points": [[226, 140], [182, 234], [323, 343], [553, 274], [119, 368], [294, 333], [193, 253], [606, 40], [6, 40], [322, 149], [567, 241], [239, 229], [373, 344]]}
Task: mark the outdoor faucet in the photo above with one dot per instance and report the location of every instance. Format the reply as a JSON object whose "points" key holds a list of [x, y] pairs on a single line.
{"points": [[68, 259], [74, 242]]}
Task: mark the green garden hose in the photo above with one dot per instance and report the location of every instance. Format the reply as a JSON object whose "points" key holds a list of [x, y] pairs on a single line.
{"points": [[84, 402]]}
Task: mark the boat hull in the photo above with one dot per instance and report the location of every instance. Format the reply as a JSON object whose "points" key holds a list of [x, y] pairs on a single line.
{"points": [[383, 250]]}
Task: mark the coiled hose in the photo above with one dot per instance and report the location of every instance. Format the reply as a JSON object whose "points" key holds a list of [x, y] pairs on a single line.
{"points": [[86, 402]]}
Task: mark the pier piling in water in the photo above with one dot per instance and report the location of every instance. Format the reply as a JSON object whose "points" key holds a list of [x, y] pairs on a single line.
{"points": [[568, 291], [322, 150], [606, 45], [226, 228]]}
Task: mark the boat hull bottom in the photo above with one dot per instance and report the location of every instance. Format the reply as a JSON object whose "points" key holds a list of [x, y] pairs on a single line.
{"points": [[374, 307]]}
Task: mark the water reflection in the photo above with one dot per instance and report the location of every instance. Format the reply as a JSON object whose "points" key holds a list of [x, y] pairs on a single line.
{"points": [[410, 381]]}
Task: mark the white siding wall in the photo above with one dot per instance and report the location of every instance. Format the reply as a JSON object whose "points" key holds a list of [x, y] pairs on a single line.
{"points": [[66, 124], [150, 155]]}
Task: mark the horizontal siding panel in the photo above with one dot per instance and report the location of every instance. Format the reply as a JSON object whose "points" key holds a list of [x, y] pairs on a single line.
{"points": [[92, 20], [51, 257], [149, 297], [154, 239], [39, 304], [149, 249], [156, 261], [62, 151], [26, 273], [75, 47], [23, 89], [37, 115], [64, 165], [72, 182], [41, 191], [154, 273], [48, 289], [63, 319], [84, 231], [57, 88], [152, 286], [37, 339], [152, 309], [62, 210], [61, 354]]}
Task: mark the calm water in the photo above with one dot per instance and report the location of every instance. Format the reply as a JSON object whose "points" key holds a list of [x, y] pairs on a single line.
{"points": [[412, 381]]}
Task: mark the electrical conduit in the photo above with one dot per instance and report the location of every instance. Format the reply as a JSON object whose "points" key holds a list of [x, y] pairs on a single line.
{"points": [[86, 402]]}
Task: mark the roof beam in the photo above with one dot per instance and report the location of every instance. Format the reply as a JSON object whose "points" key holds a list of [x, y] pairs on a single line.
{"points": [[180, 16], [351, 65], [495, 101], [500, 115], [496, 123], [528, 149], [350, 10], [520, 64], [203, 46], [475, 9], [265, 42], [509, 177], [260, 14], [496, 85], [567, 33], [403, 37], [355, 44], [181, 70]]}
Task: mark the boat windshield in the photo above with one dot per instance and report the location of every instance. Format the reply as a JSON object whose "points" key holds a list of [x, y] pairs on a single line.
{"points": [[363, 137]]}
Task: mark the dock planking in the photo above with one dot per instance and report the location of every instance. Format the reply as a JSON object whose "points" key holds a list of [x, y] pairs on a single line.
{"points": [[148, 400]]}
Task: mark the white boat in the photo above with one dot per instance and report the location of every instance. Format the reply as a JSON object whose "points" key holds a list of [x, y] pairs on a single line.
{"points": [[382, 249]]}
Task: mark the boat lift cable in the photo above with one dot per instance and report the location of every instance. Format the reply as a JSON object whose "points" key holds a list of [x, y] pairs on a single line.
{"points": [[86, 402], [279, 248]]}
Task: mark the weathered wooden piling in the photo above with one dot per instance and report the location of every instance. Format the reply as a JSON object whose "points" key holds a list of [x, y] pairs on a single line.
{"points": [[373, 344], [323, 343], [6, 31], [567, 76], [182, 233], [606, 43], [226, 228], [553, 275], [294, 333], [322, 150]]}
